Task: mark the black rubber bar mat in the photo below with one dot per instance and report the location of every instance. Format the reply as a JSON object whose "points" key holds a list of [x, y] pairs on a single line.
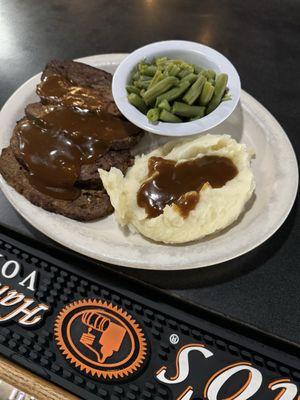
{"points": [[101, 335]]}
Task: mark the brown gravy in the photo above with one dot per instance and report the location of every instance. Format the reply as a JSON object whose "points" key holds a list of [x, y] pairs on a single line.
{"points": [[180, 183], [54, 151], [87, 124], [62, 91]]}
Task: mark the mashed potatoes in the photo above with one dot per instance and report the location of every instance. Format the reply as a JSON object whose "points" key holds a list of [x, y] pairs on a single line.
{"points": [[216, 209]]}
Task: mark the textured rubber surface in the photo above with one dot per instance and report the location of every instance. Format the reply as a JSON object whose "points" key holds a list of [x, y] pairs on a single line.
{"points": [[159, 316]]}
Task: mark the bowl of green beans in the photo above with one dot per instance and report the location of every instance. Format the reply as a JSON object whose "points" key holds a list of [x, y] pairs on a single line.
{"points": [[176, 88]]}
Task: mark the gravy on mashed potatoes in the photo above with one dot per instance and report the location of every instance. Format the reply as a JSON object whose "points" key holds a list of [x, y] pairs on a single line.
{"points": [[179, 183], [183, 190]]}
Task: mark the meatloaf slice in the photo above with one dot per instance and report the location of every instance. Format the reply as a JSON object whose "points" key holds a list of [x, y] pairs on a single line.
{"points": [[81, 75], [89, 177], [37, 112], [90, 205]]}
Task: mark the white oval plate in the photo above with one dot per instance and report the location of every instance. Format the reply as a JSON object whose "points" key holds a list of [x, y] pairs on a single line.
{"points": [[276, 174]]}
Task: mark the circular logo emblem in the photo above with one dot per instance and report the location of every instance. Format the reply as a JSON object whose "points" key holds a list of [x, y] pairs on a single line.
{"points": [[100, 339]]}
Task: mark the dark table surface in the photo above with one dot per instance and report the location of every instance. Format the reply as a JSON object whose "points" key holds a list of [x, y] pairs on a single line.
{"points": [[261, 39]]}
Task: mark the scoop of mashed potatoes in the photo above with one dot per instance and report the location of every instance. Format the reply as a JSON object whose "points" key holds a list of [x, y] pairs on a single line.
{"points": [[216, 209]]}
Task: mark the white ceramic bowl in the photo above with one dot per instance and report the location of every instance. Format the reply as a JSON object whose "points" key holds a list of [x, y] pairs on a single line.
{"points": [[192, 52]]}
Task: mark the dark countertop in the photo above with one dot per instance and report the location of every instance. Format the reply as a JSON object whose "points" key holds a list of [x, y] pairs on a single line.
{"points": [[262, 39]]}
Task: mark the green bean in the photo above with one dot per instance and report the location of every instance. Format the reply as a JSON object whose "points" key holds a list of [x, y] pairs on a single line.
{"points": [[206, 94], [160, 60], [167, 116], [198, 70], [185, 110], [209, 74], [190, 78], [183, 73], [171, 70], [195, 90], [185, 70], [141, 64], [164, 105], [145, 78], [141, 84], [135, 76], [132, 89], [179, 62], [153, 115], [174, 93], [159, 88], [138, 102], [148, 70], [157, 77], [221, 82], [226, 97]]}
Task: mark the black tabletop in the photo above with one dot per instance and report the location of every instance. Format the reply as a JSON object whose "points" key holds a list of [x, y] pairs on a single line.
{"points": [[262, 40]]}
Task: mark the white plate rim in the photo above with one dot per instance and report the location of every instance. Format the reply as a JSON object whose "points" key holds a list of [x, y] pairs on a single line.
{"points": [[268, 119]]}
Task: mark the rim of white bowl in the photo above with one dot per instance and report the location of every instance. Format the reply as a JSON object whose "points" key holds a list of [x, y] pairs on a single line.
{"points": [[222, 112]]}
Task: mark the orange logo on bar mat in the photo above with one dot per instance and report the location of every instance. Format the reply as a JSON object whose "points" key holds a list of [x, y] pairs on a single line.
{"points": [[100, 339]]}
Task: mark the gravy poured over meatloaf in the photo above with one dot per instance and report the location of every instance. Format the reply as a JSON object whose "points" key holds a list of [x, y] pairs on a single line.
{"points": [[56, 150]]}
